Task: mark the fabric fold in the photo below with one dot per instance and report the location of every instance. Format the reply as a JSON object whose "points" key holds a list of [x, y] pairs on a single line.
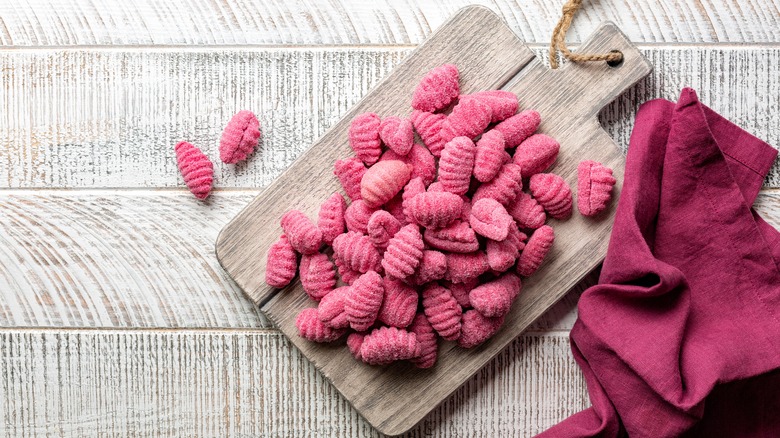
{"points": [[687, 302]]}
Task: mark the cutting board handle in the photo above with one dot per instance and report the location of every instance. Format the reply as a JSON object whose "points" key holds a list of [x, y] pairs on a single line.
{"points": [[602, 82]]}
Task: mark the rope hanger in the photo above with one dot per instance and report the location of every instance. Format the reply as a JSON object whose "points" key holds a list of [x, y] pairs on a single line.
{"points": [[558, 40]]}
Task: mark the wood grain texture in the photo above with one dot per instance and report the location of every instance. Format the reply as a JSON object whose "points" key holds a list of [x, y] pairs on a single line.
{"points": [[226, 22], [394, 398], [106, 259], [250, 383], [112, 117], [134, 105]]}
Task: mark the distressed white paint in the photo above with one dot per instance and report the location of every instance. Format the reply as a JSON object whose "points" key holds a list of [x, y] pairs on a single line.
{"points": [[250, 383], [112, 117], [226, 22], [109, 118], [127, 259]]}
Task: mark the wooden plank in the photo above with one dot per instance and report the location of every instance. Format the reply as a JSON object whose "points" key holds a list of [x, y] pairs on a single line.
{"points": [[396, 397], [250, 383], [117, 259], [243, 243], [50, 240], [134, 105], [768, 206], [198, 22], [124, 131]]}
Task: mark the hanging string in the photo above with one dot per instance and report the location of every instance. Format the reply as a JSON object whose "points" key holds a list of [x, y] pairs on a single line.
{"points": [[558, 41]]}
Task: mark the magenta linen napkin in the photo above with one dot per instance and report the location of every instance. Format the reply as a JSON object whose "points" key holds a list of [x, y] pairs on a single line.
{"points": [[681, 336]]}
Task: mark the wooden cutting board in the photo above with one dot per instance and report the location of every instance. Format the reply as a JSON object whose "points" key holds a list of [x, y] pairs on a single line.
{"points": [[489, 55]]}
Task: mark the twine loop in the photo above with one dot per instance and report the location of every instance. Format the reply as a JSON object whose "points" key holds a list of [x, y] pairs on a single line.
{"points": [[558, 40]]}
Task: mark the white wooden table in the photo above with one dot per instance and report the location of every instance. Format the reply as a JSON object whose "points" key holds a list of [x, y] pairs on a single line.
{"points": [[117, 319]]}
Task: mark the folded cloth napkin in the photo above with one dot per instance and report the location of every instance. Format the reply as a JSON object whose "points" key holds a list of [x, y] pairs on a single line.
{"points": [[681, 336]]}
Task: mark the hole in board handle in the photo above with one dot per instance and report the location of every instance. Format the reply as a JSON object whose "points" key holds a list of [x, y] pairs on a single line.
{"points": [[616, 63]]}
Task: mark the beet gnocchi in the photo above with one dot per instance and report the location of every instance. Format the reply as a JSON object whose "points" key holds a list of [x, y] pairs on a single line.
{"points": [[437, 235]]}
